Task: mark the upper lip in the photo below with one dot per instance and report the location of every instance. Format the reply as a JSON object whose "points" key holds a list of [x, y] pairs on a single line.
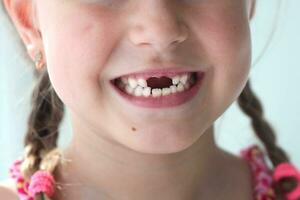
{"points": [[162, 70]]}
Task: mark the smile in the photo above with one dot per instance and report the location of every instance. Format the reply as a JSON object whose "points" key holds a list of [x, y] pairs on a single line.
{"points": [[159, 92]]}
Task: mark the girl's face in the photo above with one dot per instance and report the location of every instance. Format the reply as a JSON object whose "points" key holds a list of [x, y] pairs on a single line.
{"points": [[87, 43]]}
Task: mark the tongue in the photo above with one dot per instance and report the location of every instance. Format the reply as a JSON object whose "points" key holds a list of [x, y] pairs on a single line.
{"points": [[162, 82]]}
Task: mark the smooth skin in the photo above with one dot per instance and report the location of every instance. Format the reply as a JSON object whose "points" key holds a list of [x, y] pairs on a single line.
{"points": [[124, 152]]}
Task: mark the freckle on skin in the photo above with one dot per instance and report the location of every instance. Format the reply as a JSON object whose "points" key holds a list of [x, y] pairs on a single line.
{"points": [[133, 128]]}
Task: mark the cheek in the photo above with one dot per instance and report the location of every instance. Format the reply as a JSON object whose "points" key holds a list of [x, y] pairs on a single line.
{"points": [[225, 41], [77, 47], [231, 57], [229, 49], [224, 34]]}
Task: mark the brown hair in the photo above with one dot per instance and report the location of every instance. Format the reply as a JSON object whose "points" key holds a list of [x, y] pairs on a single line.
{"points": [[43, 125], [251, 106]]}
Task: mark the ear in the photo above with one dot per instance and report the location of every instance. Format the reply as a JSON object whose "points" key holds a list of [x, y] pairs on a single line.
{"points": [[22, 14], [252, 9]]}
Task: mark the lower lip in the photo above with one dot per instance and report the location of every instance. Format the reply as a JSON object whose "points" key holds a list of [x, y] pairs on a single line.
{"points": [[171, 100]]}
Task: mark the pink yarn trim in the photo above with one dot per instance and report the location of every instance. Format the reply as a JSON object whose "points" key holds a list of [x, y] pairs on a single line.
{"points": [[14, 170], [262, 175], [288, 170], [41, 181], [22, 185]]}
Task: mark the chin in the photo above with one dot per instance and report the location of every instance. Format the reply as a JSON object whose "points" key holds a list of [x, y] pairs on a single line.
{"points": [[161, 141]]}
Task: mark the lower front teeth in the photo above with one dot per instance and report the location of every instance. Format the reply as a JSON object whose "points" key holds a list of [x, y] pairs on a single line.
{"points": [[155, 92]]}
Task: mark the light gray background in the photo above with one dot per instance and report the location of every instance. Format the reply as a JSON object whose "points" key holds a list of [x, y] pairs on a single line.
{"points": [[275, 79]]}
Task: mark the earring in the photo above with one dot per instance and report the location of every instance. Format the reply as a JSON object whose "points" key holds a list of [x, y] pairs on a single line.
{"points": [[38, 60]]}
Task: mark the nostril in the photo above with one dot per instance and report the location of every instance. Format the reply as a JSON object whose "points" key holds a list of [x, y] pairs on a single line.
{"points": [[161, 82]]}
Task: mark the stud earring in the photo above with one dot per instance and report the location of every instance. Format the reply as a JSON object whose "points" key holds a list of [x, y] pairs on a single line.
{"points": [[38, 60]]}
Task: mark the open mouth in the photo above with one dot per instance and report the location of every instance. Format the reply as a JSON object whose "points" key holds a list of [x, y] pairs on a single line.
{"points": [[159, 91], [153, 87]]}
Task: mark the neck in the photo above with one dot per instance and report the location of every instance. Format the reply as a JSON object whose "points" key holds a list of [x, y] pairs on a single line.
{"points": [[100, 167]]}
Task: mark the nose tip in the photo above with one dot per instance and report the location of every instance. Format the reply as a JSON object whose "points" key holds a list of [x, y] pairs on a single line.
{"points": [[159, 38], [159, 31]]}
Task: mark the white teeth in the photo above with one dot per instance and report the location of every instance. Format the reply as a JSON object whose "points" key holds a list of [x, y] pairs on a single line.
{"points": [[142, 82], [156, 92], [138, 91], [138, 87], [132, 82], [184, 78], [173, 89], [187, 85], [147, 92], [180, 87], [166, 91], [129, 89], [175, 80]]}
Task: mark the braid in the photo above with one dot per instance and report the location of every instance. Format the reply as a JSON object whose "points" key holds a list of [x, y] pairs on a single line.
{"points": [[41, 137], [251, 106]]}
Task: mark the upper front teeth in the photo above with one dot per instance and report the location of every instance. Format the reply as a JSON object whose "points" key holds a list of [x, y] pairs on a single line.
{"points": [[135, 82], [143, 83], [132, 82]]}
